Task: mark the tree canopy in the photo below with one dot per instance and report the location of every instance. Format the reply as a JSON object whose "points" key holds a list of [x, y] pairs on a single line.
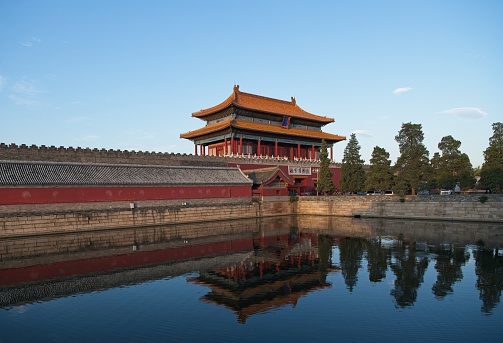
{"points": [[379, 176], [414, 170], [325, 182], [352, 172], [452, 167], [491, 174], [412, 166]]}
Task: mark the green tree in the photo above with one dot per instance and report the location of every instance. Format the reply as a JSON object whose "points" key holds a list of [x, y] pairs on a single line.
{"points": [[452, 166], [352, 173], [412, 167], [380, 176], [325, 182], [491, 174]]}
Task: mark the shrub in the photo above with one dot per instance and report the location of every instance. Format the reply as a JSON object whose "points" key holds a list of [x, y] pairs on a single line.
{"points": [[483, 198]]}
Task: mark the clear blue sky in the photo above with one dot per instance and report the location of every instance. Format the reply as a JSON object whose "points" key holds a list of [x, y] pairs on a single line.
{"points": [[128, 74]]}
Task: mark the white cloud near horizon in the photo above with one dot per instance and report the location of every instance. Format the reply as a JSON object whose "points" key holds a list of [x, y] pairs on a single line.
{"points": [[466, 112], [401, 90], [363, 133], [140, 134], [87, 138]]}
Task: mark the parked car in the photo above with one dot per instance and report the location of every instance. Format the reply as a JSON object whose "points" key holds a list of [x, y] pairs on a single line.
{"points": [[424, 192], [388, 192], [446, 192]]}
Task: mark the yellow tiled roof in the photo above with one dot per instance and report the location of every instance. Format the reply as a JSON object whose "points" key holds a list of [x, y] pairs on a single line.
{"points": [[262, 104], [260, 127]]}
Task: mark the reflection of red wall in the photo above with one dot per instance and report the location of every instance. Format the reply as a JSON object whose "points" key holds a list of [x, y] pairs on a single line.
{"points": [[12, 276], [17, 196]]}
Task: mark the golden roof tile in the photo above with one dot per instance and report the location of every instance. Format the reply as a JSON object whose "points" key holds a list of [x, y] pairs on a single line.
{"points": [[262, 104]]}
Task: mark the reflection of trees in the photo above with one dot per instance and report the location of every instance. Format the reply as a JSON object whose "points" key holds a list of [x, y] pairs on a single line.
{"points": [[409, 265], [409, 272], [448, 265], [325, 255], [377, 258], [351, 253], [489, 270]]}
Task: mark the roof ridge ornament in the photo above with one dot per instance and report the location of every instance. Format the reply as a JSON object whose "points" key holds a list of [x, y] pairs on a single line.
{"points": [[294, 102], [236, 91]]}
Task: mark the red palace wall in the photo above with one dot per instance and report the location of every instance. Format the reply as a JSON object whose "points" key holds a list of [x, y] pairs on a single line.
{"points": [[25, 195]]}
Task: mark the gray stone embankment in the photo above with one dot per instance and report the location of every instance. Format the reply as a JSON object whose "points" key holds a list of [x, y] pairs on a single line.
{"points": [[104, 216], [56, 220], [435, 207]]}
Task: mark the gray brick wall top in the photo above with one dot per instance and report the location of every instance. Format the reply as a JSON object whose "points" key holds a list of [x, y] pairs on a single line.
{"points": [[85, 155], [17, 173]]}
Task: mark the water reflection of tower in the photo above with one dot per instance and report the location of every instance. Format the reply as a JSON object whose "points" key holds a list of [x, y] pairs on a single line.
{"points": [[281, 269]]}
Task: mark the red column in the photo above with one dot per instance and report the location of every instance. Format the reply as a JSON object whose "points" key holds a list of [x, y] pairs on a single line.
{"points": [[232, 145], [225, 146], [241, 145], [298, 150], [312, 152], [195, 149], [258, 148], [331, 153], [276, 148]]}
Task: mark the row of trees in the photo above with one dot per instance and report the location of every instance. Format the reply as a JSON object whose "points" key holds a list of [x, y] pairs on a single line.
{"points": [[413, 170]]}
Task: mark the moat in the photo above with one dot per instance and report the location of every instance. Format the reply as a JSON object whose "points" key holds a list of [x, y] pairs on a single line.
{"points": [[283, 279]]}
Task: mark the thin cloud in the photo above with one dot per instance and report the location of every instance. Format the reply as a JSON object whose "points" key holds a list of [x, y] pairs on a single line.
{"points": [[466, 112], [23, 101], [2, 82], [80, 119], [363, 133], [140, 134], [24, 93], [87, 138], [25, 87], [29, 43], [401, 90]]}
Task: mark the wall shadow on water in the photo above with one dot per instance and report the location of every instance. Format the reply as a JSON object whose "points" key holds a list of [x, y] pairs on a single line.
{"points": [[253, 266]]}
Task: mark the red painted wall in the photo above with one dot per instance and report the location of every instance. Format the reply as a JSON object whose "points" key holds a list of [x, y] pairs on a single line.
{"points": [[48, 195], [273, 192]]}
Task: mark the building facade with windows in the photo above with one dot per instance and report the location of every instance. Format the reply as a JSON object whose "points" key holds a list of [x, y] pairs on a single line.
{"points": [[255, 126], [249, 124]]}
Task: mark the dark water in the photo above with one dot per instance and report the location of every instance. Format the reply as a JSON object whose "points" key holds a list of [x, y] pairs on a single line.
{"points": [[287, 279]]}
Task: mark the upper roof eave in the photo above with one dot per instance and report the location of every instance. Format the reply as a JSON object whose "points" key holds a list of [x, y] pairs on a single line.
{"points": [[260, 103]]}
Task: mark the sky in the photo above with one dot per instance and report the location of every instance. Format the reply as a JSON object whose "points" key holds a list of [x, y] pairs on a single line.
{"points": [[128, 74]]}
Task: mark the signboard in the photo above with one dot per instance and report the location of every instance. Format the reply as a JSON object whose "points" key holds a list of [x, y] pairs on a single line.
{"points": [[295, 170]]}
